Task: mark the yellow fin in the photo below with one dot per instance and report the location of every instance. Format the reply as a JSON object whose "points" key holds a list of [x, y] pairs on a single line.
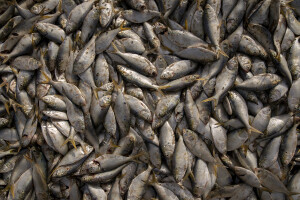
{"points": [[211, 99], [186, 27], [252, 129], [71, 140], [122, 27]]}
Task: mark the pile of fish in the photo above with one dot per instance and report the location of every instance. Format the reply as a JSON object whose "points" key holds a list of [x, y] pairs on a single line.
{"points": [[150, 99]]}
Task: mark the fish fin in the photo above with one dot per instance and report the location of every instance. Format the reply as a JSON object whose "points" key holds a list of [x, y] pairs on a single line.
{"points": [[7, 107], [43, 53], [122, 27], [14, 2], [6, 57], [138, 155], [46, 77], [153, 180], [71, 140], [192, 175], [220, 124], [12, 190], [42, 11], [189, 173], [45, 17], [113, 145], [198, 3], [291, 194], [32, 42], [52, 173], [160, 92], [287, 4], [163, 87], [220, 51], [211, 99], [32, 29], [245, 148], [59, 6], [266, 189], [167, 48], [83, 146], [95, 91], [116, 85], [3, 83], [205, 80], [186, 26], [28, 159], [116, 50], [252, 129]]}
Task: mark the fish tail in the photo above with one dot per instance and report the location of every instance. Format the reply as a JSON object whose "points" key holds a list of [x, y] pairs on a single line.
{"points": [[116, 85], [5, 57], [204, 79], [46, 77], [116, 50], [220, 124], [83, 145], [252, 129], [220, 51], [71, 140], [291, 194], [122, 27], [3, 83], [245, 148], [189, 173], [154, 179], [14, 2], [138, 155], [28, 158], [43, 53], [163, 87], [95, 91], [160, 92], [113, 145], [215, 100], [135, 158], [186, 26], [51, 174], [59, 6], [12, 190], [7, 107]]}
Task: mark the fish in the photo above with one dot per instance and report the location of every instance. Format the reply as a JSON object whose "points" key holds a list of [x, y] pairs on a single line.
{"points": [[149, 99]]}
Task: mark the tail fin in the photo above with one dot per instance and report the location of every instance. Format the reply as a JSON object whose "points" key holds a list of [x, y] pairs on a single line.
{"points": [[138, 155], [122, 27], [153, 180], [83, 146], [3, 83], [59, 6], [113, 145], [215, 100], [116, 85], [6, 58], [252, 129], [12, 190], [163, 87], [95, 92], [220, 51], [244, 148], [186, 26], [48, 79], [71, 140], [189, 173], [205, 80], [116, 50]]}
